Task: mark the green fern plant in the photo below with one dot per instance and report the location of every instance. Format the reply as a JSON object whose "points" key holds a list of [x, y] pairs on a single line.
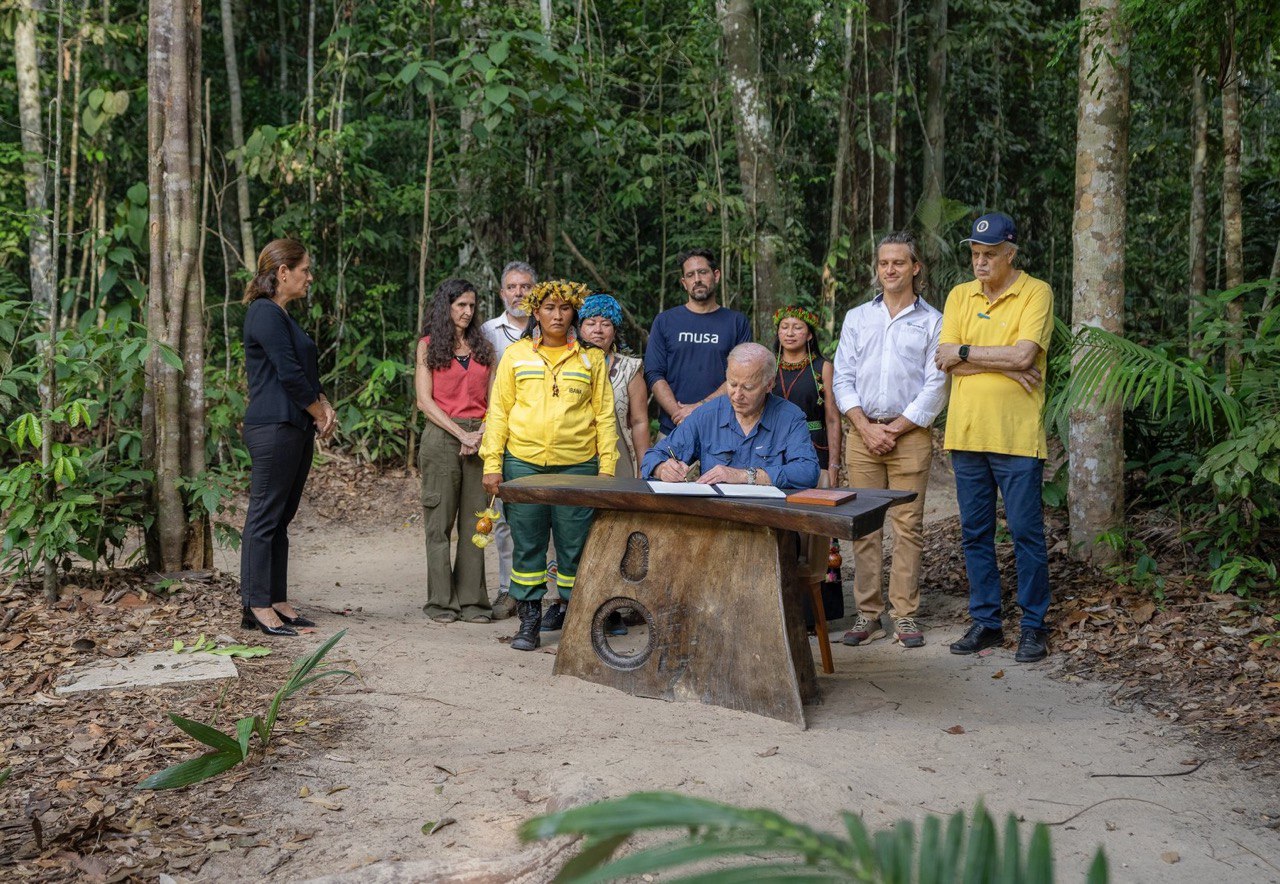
{"points": [[1093, 368], [229, 751], [768, 846]]}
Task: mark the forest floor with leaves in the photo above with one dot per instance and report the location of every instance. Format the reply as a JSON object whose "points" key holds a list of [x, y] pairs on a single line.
{"points": [[1150, 730]]}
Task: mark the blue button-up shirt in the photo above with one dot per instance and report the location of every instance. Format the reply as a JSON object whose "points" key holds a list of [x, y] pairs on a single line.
{"points": [[779, 444]]}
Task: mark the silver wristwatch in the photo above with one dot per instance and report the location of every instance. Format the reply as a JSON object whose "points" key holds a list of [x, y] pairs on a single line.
{"points": [[751, 475]]}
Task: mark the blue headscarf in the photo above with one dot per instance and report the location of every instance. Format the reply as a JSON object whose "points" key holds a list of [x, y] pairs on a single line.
{"points": [[601, 304]]}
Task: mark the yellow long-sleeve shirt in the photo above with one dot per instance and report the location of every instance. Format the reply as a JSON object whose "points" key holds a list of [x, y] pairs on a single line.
{"points": [[550, 406]]}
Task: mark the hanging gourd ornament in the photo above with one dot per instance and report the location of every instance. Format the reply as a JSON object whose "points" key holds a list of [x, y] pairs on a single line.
{"points": [[484, 525]]}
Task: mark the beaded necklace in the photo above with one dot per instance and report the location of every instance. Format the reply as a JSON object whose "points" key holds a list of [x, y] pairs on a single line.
{"points": [[798, 367]]}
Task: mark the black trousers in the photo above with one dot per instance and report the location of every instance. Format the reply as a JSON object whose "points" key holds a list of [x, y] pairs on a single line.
{"points": [[281, 457]]}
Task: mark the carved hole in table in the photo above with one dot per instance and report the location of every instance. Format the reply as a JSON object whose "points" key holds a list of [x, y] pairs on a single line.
{"points": [[635, 561], [623, 652]]}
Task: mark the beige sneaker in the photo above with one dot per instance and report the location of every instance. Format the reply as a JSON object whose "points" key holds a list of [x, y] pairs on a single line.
{"points": [[908, 633], [864, 629]]}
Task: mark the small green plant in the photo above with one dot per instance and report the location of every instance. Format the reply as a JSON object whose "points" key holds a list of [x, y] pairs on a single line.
{"points": [[1270, 639], [776, 848], [4, 774], [230, 751], [1247, 576], [204, 645], [1141, 572]]}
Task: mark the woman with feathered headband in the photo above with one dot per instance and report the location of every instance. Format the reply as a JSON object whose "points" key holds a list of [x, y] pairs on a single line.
{"points": [[550, 411], [804, 379]]}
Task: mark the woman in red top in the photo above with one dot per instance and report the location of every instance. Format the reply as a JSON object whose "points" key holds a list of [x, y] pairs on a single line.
{"points": [[451, 378]]}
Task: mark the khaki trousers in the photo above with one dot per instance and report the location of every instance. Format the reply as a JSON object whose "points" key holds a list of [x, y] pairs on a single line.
{"points": [[905, 468], [452, 493]]}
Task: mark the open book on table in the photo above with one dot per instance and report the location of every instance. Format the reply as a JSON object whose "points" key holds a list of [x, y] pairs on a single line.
{"points": [[693, 489]]}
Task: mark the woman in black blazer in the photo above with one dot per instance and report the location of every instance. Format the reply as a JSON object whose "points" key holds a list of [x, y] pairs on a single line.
{"points": [[287, 410]]}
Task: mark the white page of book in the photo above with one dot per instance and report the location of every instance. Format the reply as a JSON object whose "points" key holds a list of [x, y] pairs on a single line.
{"points": [[751, 491], [688, 489]]}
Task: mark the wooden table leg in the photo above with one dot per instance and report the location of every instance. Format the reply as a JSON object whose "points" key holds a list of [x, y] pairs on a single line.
{"points": [[720, 629], [820, 626]]}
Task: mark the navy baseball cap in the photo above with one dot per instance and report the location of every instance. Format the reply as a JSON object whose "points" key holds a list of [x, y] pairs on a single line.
{"points": [[993, 229]]}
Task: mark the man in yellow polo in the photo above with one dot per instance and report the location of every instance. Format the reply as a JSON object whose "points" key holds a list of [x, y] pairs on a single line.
{"points": [[994, 343]]}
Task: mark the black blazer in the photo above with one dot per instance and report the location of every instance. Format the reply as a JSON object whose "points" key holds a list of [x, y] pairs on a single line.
{"points": [[282, 363]]}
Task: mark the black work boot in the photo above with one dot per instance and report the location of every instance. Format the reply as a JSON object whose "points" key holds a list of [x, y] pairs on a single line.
{"points": [[530, 614]]}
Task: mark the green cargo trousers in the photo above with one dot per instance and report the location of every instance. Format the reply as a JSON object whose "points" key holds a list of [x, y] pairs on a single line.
{"points": [[452, 493], [533, 524]]}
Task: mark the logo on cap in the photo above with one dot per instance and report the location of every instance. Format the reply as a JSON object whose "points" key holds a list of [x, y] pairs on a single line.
{"points": [[982, 226]]}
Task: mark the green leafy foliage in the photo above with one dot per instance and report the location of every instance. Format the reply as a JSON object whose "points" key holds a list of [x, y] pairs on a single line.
{"points": [[765, 845], [204, 645], [227, 752]]}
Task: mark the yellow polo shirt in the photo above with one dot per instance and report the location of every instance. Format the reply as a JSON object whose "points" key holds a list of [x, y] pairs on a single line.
{"points": [[989, 411], [551, 406]]}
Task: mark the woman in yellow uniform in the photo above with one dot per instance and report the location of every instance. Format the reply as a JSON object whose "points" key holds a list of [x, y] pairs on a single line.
{"points": [[550, 411]]}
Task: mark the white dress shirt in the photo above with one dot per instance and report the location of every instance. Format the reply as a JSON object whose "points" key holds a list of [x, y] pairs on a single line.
{"points": [[884, 364], [502, 334]]}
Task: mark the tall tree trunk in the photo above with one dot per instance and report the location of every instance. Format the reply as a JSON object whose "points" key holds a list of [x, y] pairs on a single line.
{"points": [[248, 252], [33, 149], [838, 177], [1096, 443], [753, 131], [310, 113], [41, 259], [282, 27], [1198, 286], [1232, 226], [425, 243], [475, 253], [935, 133], [73, 154], [870, 182], [174, 400]]}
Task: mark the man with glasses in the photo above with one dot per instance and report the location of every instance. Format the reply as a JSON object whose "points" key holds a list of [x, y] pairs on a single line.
{"points": [[517, 281], [684, 363]]}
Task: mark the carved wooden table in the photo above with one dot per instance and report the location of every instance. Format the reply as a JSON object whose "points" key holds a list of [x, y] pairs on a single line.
{"points": [[715, 580]]}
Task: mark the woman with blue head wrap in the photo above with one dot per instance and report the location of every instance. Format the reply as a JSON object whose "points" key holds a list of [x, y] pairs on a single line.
{"points": [[598, 321]]}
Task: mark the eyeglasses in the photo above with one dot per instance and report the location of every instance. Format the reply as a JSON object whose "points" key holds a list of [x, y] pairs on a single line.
{"points": [[694, 274]]}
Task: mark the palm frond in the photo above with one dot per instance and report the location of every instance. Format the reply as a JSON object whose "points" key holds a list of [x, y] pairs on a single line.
{"points": [[1107, 369], [762, 845]]}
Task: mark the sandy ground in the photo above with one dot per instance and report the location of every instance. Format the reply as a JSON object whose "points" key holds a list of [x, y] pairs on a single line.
{"points": [[453, 723]]}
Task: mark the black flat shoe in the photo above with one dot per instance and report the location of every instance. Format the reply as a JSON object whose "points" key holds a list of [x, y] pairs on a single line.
{"points": [[249, 620], [294, 621]]}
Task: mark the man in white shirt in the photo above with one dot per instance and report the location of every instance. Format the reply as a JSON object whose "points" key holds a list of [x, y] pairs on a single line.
{"points": [[517, 280], [888, 387]]}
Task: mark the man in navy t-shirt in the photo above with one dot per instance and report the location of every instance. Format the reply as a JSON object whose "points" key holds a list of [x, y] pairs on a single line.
{"points": [[684, 362]]}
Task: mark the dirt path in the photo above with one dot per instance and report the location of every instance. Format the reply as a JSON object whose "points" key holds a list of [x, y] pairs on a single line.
{"points": [[453, 723]]}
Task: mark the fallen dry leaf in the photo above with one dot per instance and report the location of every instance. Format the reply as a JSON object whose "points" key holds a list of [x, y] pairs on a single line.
{"points": [[1170, 856], [767, 753], [955, 729], [999, 673]]}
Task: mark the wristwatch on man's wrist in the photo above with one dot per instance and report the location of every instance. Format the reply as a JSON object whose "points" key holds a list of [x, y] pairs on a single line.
{"points": [[964, 352], [751, 475]]}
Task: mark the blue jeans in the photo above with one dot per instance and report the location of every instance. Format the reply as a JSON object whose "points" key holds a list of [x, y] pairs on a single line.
{"points": [[978, 475]]}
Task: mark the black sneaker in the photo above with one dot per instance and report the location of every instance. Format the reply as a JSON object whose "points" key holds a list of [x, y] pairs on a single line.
{"points": [[553, 617], [977, 638], [1033, 646]]}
